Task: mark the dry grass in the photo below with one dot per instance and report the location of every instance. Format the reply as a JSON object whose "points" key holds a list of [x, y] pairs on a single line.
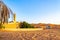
{"points": [[51, 34]]}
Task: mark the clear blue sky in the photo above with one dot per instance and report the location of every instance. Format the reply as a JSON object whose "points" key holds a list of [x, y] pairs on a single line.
{"points": [[36, 11]]}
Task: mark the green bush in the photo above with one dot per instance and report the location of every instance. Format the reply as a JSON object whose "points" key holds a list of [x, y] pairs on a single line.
{"points": [[1, 26], [25, 25]]}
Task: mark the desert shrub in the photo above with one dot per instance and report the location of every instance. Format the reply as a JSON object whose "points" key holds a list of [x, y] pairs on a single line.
{"points": [[1, 26], [25, 25]]}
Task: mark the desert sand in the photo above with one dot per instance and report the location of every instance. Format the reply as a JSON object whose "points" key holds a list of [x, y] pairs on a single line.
{"points": [[48, 34]]}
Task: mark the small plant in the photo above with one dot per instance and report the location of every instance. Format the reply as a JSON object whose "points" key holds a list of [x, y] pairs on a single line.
{"points": [[1, 26]]}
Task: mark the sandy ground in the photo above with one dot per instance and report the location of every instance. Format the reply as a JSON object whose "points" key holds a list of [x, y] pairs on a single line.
{"points": [[49, 34]]}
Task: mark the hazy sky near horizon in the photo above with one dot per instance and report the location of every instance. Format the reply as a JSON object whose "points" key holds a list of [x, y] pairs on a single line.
{"points": [[35, 11]]}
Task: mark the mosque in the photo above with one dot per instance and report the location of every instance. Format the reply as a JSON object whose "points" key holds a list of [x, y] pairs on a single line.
{"points": [[5, 13]]}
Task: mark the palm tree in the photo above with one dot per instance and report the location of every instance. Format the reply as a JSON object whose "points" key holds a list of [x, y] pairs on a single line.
{"points": [[4, 13]]}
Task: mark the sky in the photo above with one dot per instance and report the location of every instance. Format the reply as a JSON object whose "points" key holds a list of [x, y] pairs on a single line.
{"points": [[35, 11]]}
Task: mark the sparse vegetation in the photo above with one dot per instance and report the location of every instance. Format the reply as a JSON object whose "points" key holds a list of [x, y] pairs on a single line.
{"points": [[1, 26], [25, 25]]}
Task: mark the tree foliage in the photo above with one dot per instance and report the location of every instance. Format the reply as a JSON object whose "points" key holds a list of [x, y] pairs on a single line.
{"points": [[25, 25]]}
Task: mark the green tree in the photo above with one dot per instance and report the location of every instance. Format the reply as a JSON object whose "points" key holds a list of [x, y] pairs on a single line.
{"points": [[25, 25]]}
